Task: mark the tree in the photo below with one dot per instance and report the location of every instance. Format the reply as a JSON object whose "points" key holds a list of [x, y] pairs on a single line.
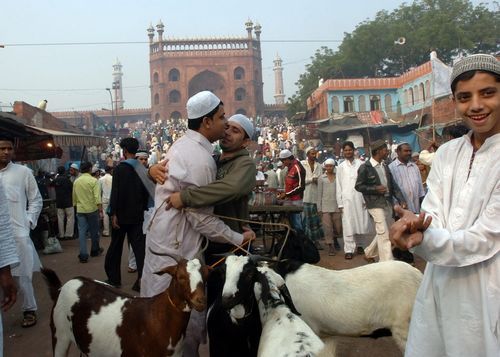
{"points": [[449, 27]]}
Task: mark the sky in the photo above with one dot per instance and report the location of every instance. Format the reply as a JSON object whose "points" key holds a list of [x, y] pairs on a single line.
{"points": [[74, 77]]}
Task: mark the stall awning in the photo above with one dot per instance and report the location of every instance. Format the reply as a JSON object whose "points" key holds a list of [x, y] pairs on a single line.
{"points": [[63, 138], [29, 143], [317, 121]]}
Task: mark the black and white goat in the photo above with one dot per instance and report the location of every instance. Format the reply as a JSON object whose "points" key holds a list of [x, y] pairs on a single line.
{"points": [[233, 323], [284, 334], [103, 321]]}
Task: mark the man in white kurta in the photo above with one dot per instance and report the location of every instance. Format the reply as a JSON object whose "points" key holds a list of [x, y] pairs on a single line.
{"points": [[355, 218], [25, 204], [457, 308], [179, 232]]}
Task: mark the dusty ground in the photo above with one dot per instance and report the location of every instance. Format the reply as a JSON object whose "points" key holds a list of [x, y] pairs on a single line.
{"points": [[36, 341]]}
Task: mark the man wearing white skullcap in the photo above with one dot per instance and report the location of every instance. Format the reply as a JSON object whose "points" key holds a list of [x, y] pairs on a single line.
{"points": [[74, 172], [328, 209], [294, 186], [181, 231], [457, 308], [229, 194]]}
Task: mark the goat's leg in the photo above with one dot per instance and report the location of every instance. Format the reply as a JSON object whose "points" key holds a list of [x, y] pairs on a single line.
{"points": [[61, 345], [400, 334]]}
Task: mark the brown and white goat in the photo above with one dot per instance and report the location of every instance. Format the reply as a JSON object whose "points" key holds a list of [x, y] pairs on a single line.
{"points": [[102, 321]]}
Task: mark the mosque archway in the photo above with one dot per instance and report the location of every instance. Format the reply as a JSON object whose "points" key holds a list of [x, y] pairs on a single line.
{"points": [[207, 80]]}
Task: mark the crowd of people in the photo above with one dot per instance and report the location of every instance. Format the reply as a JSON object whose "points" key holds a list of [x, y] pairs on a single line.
{"points": [[176, 190]]}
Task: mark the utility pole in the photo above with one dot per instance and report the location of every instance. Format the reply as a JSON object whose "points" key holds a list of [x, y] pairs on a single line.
{"points": [[112, 111]]}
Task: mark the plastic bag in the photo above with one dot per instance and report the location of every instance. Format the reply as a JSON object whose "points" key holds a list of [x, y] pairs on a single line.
{"points": [[52, 246]]}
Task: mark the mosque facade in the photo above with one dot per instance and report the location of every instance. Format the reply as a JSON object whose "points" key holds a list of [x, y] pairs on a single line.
{"points": [[230, 67]]}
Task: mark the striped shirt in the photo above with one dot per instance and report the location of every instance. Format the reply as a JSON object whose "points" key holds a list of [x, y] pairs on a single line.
{"points": [[408, 178], [8, 251]]}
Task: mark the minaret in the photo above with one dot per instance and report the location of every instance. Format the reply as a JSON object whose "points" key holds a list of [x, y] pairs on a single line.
{"points": [[151, 33], [160, 28], [249, 26], [279, 96], [117, 85]]}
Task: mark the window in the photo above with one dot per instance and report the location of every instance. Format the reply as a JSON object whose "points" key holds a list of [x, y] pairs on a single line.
{"points": [[156, 77], [411, 98], [335, 104], [174, 97], [348, 104], [157, 117], [416, 99], [361, 103], [239, 94], [374, 102], [422, 91], [156, 99], [173, 75], [239, 73], [241, 111], [388, 103]]}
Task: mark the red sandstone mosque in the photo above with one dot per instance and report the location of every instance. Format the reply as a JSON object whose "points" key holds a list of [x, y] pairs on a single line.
{"points": [[230, 67]]}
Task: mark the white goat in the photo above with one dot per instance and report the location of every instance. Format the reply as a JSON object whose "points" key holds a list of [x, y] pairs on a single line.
{"points": [[354, 302], [283, 332]]}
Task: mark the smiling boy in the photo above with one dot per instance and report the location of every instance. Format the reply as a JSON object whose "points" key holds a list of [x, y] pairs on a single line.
{"points": [[457, 309]]}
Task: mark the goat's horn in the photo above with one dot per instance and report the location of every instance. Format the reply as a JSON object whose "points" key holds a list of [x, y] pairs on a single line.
{"points": [[225, 255], [259, 258], [175, 257]]}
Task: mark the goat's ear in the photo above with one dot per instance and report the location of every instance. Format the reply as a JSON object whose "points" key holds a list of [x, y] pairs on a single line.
{"points": [[171, 270], [288, 299]]}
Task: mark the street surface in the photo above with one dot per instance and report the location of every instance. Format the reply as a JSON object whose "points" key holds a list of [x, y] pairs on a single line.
{"points": [[36, 341]]}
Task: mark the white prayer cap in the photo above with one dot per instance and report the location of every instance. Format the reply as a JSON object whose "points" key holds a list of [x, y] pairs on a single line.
{"points": [[477, 62], [403, 143], [280, 164], [201, 104], [309, 149], [426, 157], [329, 162], [142, 153], [244, 122], [285, 154], [74, 166]]}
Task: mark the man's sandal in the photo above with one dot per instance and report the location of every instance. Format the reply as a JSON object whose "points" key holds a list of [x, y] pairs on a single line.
{"points": [[29, 319]]}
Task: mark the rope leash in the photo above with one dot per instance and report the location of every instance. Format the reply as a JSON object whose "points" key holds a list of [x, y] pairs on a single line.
{"points": [[238, 247]]}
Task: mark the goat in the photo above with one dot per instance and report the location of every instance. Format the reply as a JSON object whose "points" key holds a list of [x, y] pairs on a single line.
{"points": [[102, 321], [234, 331], [351, 302], [283, 331], [354, 302]]}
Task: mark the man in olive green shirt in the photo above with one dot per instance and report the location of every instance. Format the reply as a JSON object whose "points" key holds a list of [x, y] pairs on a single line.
{"points": [[87, 199]]}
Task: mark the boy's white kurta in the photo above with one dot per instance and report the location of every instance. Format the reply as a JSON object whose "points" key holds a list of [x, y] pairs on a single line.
{"points": [[179, 232], [25, 204], [355, 219], [457, 309]]}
